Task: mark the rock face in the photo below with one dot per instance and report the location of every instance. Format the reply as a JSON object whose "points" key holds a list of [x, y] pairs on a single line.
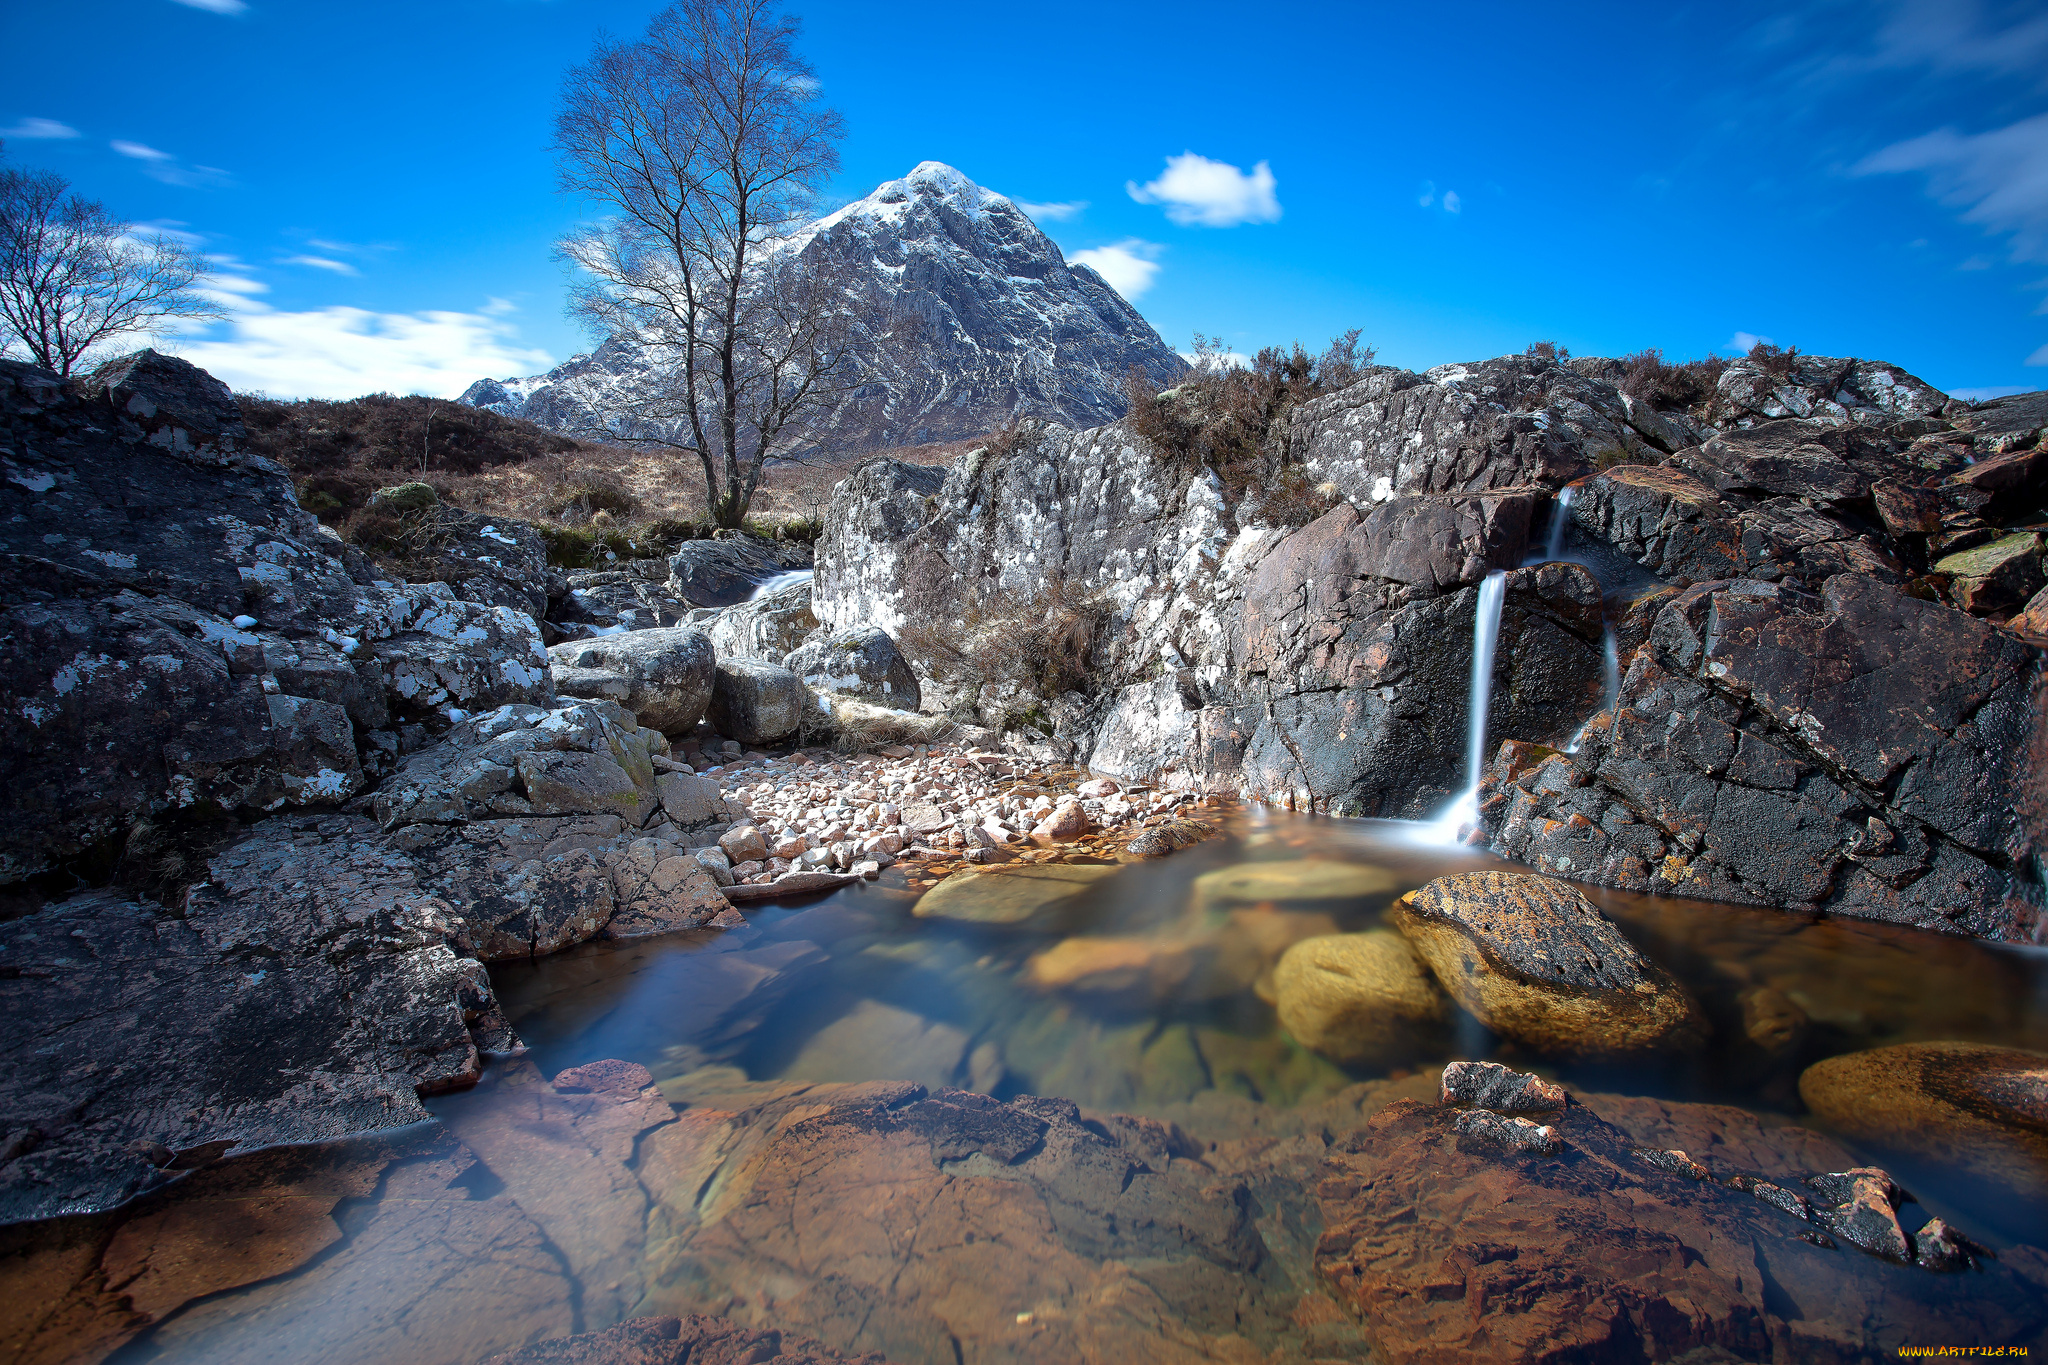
{"points": [[1327, 667], [181, 636], [1532, 960], [967, 318], [721, 573], [662, 675], [1859, 751], [311, 989]]}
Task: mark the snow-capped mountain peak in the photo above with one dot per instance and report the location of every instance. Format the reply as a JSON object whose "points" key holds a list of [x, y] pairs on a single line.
{"points": [[970, 317]]}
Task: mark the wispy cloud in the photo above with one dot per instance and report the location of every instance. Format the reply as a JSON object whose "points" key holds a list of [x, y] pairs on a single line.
{"points": [[1451, 201], [218, 6], [1130, 265], [1978, 395], [1745, 341], [35, 128], [1959, 37], [322, 263], [161, 165], [1998, 178], [1198, 192], [348, 352], [1051, 213], [2039, 357]]}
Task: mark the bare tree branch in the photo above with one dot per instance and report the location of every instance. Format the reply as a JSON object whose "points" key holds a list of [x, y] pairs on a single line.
{"points": [[73, 277], [706, 140]]}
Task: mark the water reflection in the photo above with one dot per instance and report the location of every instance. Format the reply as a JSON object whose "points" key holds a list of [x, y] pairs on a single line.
{"points": [[1147, 992]]}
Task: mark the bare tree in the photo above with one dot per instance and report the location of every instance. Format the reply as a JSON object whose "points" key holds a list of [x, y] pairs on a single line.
{"points": [[72, 276], [707, 141]]}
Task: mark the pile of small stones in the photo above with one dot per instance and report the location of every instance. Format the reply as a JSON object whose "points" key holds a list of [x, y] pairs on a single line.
{"points": [[936, 808]]}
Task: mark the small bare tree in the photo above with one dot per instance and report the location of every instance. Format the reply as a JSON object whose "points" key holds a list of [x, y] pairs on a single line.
{"points": [[72, 276], [707, 141]]}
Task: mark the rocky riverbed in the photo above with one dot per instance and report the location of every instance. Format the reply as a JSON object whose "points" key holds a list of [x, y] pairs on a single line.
{"points": [[760, 951]]}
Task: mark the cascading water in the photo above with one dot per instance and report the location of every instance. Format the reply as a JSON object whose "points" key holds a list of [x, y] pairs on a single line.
{"points": [[1485, 637], [1610, 680], [769, 587], [1560, 516]]}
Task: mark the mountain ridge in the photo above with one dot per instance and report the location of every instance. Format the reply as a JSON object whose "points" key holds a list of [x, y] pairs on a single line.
{"points": [[983, 321]]}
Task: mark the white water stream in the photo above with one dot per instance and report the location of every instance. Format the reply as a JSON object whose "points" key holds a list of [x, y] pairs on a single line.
{"points": [[1610, 679], [1560, 517], [789, 579], [1485, 636]]}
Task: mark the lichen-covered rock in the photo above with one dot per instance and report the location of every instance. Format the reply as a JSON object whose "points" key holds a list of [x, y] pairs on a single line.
{"points": [[309, 989], [1969, 1107], [1358, 998], [766, 626], [662, 675], [1828, 390], [1489, 1085], [1994, 577], [633, 596], [1531, 959], [861, 662], [576, 758], [757, 703]]}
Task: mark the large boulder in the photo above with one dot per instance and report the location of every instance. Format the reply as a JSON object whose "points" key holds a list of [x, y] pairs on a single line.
{"points": [[1531, 959], [719, 573], [1860, 751], [757, 703], [578, 758], [1358, 998], [633, 596], [861, 662], [662, 675], [310, 988], [766, 626]]}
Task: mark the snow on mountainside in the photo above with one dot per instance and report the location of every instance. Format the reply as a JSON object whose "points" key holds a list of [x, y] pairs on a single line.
{"points": [[974, 319]]}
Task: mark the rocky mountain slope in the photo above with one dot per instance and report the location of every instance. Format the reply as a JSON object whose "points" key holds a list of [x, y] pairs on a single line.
{"points": [[1819, 602], [970, 318]]}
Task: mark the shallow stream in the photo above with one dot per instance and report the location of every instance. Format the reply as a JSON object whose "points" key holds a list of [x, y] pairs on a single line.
{"points": [[434, 1253]]}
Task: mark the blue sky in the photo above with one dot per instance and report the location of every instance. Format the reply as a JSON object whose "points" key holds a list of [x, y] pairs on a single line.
{"points": [[1869, 178]]}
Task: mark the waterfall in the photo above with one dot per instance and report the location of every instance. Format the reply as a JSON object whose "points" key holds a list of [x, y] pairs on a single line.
{"points": [[1485, 637], [779, 582], [1610, 680], [1560, 514]]}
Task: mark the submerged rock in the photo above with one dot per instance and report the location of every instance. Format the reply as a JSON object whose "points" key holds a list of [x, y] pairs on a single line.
{"points": [[692, 1340], [1295, 879], [1489, 1085], [1970, 1107], [1008, 894], [1362, 999], [1531, 959]]}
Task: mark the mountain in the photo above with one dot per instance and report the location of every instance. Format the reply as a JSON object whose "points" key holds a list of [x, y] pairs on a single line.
{"points": [[970, 318]]}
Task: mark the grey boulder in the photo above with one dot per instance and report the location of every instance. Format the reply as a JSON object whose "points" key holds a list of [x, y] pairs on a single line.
{"points": [[663, 676], [757, 703], [862, 662]]}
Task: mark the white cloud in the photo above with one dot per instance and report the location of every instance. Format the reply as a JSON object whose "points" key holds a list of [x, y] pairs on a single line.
{"points": [[495, 307], [1427, 198], [1954, 36], [348, 352], [1743, 341], [323, 263], [218, 6], [39, 128], [1199, 192], [2039, 357], [1129, 265], [1998, 178], [139, 151], [1993, 391], [158, 165], [1051, 213], [1452, 203]]}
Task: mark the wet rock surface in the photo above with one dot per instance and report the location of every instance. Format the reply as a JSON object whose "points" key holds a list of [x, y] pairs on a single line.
{"points": [[1533, 960], [1359, 998], [1451, 1243]]}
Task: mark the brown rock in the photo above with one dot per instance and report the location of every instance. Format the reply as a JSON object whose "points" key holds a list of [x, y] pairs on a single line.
{"points": [[1489, 1085], [693, 1340], [1009, 894], [1066, 823], [744, 845], [1532, 959], [1972, 1107], [1358, 998]]}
